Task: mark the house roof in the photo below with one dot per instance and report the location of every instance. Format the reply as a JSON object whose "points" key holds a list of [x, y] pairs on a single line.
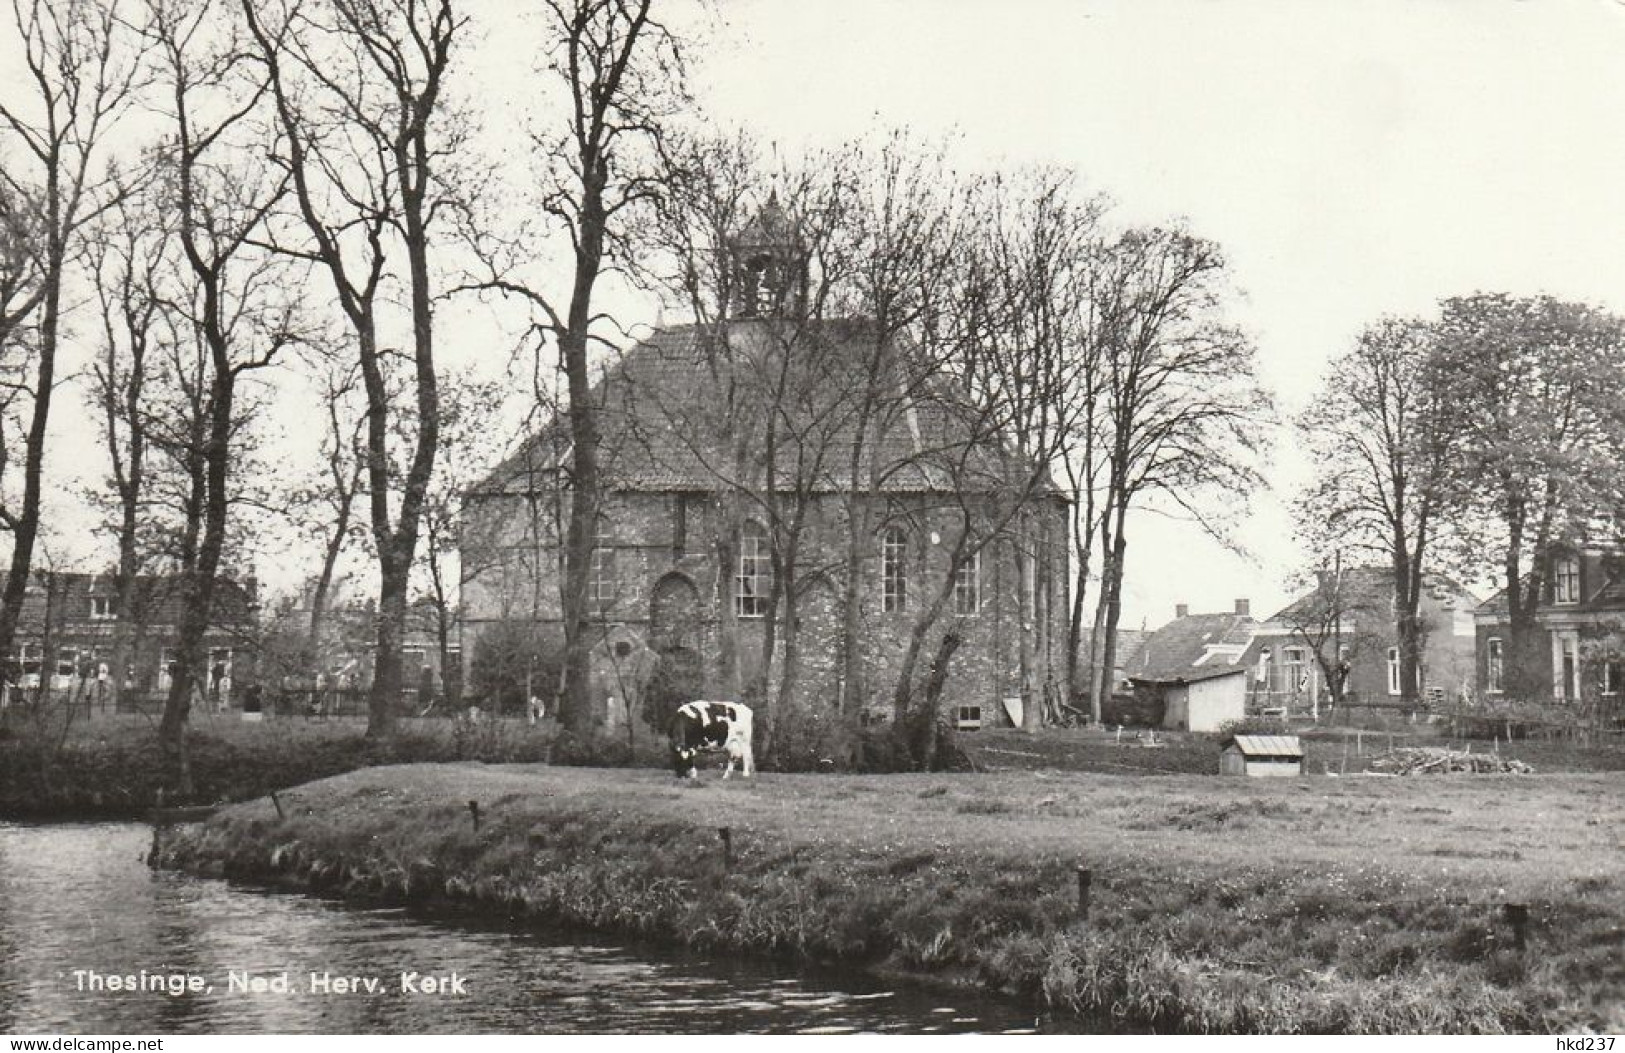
{"points": [[158, 599], [1369, 591], [1195, 647], [665, 407], [1267, 745]]}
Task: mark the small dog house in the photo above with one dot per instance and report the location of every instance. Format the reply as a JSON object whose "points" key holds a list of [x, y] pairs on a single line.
{"points": [[1261, 755]]}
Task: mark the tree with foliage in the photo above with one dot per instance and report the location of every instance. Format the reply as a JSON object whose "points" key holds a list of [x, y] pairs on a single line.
{"points": [[1385, 437], [1539, 384]]}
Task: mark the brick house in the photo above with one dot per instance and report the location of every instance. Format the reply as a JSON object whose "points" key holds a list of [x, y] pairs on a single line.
{"points": [[1288, 673], [68, 632], [1578, 653], [344, 656], [694, 550]]}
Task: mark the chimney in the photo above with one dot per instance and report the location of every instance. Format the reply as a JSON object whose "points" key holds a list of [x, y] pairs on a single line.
{"points": [[1243, 607], [1182, 610]]}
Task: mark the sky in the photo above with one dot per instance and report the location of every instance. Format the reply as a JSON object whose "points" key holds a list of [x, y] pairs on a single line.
{"points": [[1353, 159]]}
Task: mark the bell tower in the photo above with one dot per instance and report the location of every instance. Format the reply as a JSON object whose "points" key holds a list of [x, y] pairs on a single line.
{"points": [[769, 265]]}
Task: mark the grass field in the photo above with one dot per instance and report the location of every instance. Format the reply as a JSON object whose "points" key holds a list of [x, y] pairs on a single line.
{"points": [[1315, 904]]}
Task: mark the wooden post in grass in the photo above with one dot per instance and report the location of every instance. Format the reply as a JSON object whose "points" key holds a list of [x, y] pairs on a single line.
{"points": [[278, 804], [474, 810], [1086, 878], [1517, 915], [727, 836]]}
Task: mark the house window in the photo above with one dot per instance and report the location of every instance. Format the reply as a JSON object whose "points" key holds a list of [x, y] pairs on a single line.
{"points": [[968, 718], [601, 572], [893, 574], [1566, 689], [1393, 670], [968, 585], [679, 523], [1610, 677], [101, 608], [754, 581], [1566, 580], [1493, 666], [1294, 671]]}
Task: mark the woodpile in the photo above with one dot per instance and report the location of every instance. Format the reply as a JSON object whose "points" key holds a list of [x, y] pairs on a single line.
{"points": [[1426, 760]]}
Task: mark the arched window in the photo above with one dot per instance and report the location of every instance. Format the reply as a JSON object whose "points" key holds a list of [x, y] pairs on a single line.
{"points": [[754, 582], [893, 570]]}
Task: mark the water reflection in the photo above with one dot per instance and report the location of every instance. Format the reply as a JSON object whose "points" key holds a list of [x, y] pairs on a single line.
{"points": [[79, 898]]}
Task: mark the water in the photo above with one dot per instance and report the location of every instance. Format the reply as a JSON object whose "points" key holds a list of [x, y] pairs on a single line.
{"points": [[78, 898]]}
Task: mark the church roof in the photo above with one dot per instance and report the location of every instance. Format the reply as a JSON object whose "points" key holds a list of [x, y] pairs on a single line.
{"points": [[686, 410]]}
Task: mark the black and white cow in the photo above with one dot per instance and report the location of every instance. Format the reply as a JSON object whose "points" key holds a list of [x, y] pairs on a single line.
{"points": [[710, 726]]}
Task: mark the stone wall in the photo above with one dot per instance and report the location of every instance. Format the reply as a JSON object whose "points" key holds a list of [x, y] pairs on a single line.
{"points": [[668, 593]]}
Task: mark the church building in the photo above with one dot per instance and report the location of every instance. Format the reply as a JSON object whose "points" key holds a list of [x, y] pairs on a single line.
{"points": [[791, 501]]}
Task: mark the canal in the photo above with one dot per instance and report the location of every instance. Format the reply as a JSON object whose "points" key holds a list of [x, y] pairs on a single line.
{"points": [[78, 907]]}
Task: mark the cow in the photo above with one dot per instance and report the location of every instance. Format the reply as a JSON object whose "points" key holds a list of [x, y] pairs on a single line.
{"points": [[710, 726]]}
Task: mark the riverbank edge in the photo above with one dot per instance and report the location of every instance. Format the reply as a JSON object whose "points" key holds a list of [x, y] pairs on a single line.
{"points": [[964, 915]]}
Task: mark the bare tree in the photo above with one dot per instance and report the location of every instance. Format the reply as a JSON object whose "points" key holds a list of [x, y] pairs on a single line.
{"points": [[128, 257], [1182, 406], [326, 507], [230, 299], [82, 62], [621, 71], [367, 134], [469, 447]]}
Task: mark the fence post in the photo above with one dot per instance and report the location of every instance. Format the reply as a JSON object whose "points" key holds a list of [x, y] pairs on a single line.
{"points": [[1086, 878], [1517, 915], [727, 846], [474, 810]]}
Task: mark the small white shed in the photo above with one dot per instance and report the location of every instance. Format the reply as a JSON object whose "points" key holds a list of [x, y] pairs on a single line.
{"points": [[1261, 755], [1204, 700]]}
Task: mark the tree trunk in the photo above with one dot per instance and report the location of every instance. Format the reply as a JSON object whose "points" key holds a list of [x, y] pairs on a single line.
{"points": [[1111, 607], [25, 525], [926, 720]]}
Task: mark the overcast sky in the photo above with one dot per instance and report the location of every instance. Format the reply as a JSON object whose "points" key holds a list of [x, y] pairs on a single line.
{"points": [[1353, 160]]}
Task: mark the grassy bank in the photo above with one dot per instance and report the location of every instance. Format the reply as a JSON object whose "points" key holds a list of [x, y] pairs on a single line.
{"points": [[1316, 905], [111, 766]]}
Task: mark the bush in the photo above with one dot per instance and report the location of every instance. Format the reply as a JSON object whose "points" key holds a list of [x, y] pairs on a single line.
{"points": [[679, 678], [505, 656], [1252, 726]]}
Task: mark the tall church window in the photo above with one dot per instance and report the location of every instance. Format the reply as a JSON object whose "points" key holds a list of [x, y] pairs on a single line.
{"points": [[601, 571], [893, 570], [1494, 666], [754, 581], [1393, 671], [968, 586]]}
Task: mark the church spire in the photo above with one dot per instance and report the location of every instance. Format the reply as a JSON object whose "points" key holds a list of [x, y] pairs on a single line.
{"points": [[769, 264]]}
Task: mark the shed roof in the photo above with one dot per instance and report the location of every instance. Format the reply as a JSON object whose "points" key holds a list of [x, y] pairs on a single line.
{"points": [[1195, 647], [1267, 745]]}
